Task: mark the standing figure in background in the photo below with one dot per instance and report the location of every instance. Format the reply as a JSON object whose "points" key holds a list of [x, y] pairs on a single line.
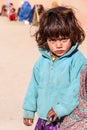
{"points": [[38, 12], [9, 7], [4, 10], [11, 12], [24, 11]]}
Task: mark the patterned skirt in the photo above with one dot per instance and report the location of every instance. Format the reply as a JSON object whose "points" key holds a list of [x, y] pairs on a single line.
{"points": [[77, 120], [42, 125]]}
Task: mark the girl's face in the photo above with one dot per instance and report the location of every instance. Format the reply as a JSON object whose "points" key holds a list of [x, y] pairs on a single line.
{"points": [[59, 46]]}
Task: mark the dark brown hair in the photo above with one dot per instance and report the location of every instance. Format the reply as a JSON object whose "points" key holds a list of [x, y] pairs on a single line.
{"points": [[60, 21]]}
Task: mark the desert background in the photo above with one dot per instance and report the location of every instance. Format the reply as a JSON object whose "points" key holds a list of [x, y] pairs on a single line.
{"points": [[18, 53]]}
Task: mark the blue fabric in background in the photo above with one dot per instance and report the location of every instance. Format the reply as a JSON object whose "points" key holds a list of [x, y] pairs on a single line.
{"points": [[30, 18], [24, 11]]}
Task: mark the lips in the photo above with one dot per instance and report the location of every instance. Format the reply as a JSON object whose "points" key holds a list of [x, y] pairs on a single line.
{"points": [[59, 51]]}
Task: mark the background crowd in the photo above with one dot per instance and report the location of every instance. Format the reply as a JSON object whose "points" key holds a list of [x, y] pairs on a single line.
{"points": [[25, 13]]}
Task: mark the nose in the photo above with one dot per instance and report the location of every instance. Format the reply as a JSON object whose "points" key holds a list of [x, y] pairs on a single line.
{"points": [[58, 44]]}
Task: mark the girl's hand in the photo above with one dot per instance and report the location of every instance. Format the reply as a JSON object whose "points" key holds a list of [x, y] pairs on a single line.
{"points": [[52, 114], [27, 121]]}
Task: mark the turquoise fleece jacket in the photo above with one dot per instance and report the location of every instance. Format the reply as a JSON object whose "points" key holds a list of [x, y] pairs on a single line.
{"points": [[54, 84]]}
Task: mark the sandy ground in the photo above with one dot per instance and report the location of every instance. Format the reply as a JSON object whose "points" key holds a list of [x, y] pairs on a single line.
{"points": [[18, 53]]}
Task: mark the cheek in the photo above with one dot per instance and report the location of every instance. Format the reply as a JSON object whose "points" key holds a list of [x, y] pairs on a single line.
{"points": [[67, 47], [51, 47]]}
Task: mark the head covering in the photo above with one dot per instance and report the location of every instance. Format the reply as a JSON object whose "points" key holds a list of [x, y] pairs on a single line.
{"points": [[8, 3]]}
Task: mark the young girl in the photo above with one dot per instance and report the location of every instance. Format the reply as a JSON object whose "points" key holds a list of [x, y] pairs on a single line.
{"points": [[53, 91]]}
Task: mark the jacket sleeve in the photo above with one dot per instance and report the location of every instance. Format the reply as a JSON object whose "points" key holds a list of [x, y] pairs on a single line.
{"points": [[70, 99], [30, 100]]}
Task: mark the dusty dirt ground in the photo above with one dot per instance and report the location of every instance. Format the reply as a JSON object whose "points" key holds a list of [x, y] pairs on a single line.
{"points": [[18, 53]]}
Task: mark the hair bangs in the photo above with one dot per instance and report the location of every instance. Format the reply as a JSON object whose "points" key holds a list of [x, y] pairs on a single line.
{"points": [[56, 30]]}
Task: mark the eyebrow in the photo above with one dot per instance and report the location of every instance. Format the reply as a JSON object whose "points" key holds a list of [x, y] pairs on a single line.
{"points": [[62, 38]]}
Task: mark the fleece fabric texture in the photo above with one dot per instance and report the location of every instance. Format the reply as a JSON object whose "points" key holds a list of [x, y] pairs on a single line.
{"points": [[54, 84]]}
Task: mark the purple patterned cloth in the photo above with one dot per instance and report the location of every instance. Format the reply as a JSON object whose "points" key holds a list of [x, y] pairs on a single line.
{"points": [[42, 125], [77, 120]]}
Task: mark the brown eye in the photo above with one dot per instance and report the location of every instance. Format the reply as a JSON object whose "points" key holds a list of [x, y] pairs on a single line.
{"points": [[64, 39]]}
